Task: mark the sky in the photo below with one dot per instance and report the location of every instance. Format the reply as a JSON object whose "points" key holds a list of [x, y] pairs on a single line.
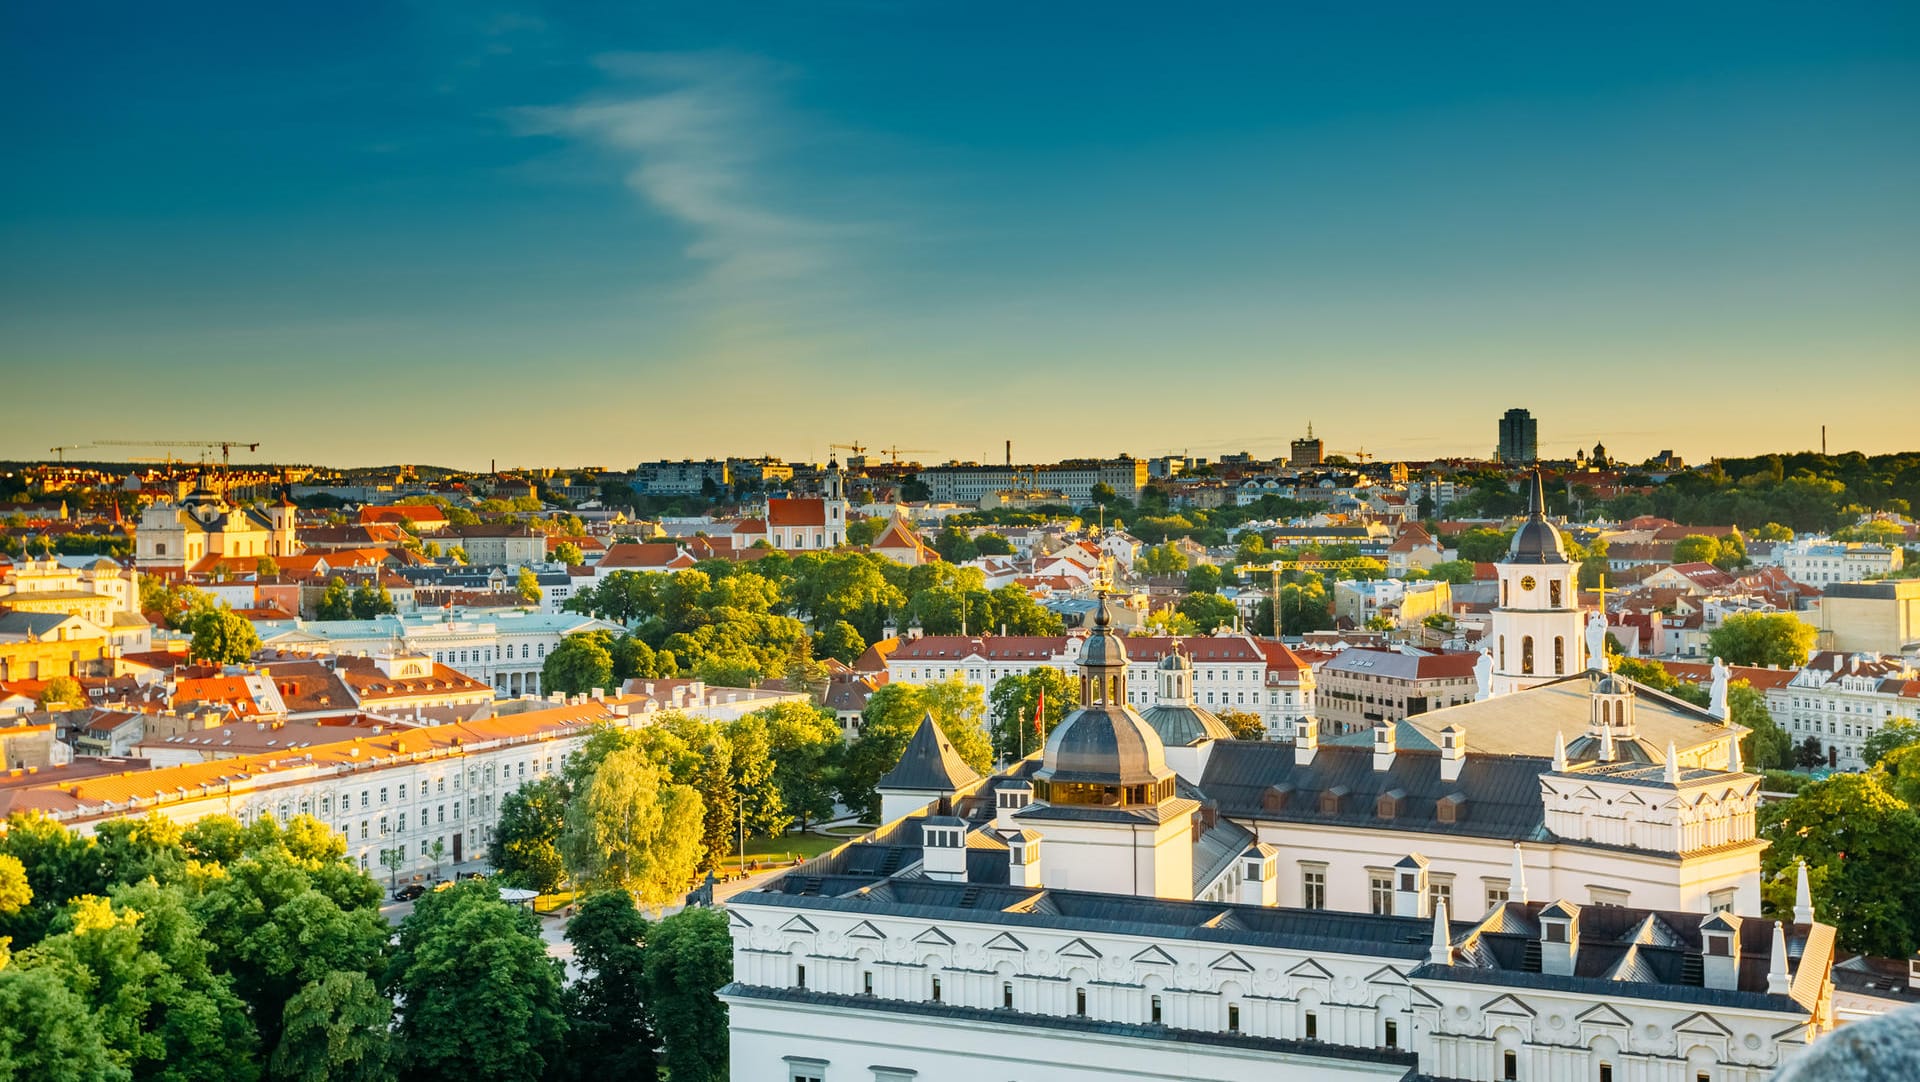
{"points": [[455, 233]]}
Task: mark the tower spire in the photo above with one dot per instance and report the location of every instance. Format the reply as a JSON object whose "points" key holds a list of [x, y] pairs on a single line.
{"points": [[1537, 497]]}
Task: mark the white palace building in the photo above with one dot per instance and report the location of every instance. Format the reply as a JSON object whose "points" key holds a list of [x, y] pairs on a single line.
{"points": [[1557, 883]]}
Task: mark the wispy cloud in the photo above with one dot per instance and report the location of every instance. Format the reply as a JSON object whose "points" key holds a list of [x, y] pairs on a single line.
{"points": [[699, 134]]}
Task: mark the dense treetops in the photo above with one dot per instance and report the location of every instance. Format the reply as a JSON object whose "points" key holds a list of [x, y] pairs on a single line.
{"points": [[219, 951]]}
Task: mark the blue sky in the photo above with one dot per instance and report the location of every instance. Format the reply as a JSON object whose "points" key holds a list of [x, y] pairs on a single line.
{"points": [[443, 232]]}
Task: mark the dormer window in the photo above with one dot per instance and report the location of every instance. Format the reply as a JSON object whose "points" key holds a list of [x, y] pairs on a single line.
{"points": [[1720, 945], [1555, 931]]}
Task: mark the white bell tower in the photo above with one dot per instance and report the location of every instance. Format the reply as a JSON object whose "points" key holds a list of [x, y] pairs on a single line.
{"points": [[1537, 632]]}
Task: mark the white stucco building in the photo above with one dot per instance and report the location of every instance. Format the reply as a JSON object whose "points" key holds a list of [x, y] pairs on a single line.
{"points": [[1121, 905], [504, 649]]}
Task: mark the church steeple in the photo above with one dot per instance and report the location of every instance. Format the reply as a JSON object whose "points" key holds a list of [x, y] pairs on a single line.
{"points": [[1537, 631]]}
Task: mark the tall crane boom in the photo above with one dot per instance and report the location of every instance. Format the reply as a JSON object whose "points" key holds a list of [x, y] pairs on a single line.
{"points": [[226, 446]]}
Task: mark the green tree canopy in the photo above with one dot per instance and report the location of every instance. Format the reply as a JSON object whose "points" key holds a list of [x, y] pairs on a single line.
{"points": [[371, 599], [1245, 726], [525, 846], [528, 586], [336, 1029], [568, 553], [689, 957], [610, 1035], [579, 664], [805, 746], [223, 637], [1889, 738], [629, 829], [841, 641], [49, 1033], [1857, 839], [1483, 545], [892, 714], [1015, 699], [1780, 640], [63, 692], [1208, 611], [1162, 559], [1696, 548], [336, 601], [479, 998]]}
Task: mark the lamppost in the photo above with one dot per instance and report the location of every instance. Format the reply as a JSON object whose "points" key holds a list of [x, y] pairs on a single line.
{"points": [[740, 813]]}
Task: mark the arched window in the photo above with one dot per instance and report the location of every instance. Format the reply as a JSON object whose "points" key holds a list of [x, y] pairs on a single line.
{"points": [[1503, 593], [1526, 655], [1553, 590], [1503, 653], [1559, 647]]}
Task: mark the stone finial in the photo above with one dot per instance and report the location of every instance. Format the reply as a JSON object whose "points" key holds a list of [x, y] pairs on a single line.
{"points": [[1441, 953], [1559, 751], [1779, 979], [1802, 895], [1517, 884], [1673, 765]]}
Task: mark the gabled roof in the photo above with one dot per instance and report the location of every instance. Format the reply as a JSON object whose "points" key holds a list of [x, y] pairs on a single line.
{"points": [[797, 511], [929, 763]]}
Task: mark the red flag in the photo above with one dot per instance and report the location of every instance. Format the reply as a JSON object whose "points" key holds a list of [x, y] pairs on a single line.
{"points": [[1039, 713]]}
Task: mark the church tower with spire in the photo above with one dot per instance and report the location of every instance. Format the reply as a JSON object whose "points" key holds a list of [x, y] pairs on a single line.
{"points": [[1537, 633]]}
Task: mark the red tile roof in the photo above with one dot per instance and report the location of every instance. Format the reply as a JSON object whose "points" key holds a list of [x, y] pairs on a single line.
{"points": [[796, 512]]}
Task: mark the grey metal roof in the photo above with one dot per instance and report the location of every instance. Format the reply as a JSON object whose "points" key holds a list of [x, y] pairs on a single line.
{"points": [[1537, 541], [1642, 946], [1104, 745], [1524, 722], [1180, 724], [929, 763], [1079, 1024], [1325, 930], [1502, 792]]}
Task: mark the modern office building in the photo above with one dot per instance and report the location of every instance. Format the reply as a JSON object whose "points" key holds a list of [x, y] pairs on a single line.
{"points": [[1519, 438]]}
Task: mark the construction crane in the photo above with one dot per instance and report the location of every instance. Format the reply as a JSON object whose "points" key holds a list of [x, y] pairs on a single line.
{"points": [[206, 446], [894, 453], [1358, 563], [1362, 456], [852, 448], [64, 448]]}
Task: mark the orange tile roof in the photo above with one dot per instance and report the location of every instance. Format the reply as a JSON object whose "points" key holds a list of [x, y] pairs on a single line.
{"points": [[796, 512], [141, 790]]}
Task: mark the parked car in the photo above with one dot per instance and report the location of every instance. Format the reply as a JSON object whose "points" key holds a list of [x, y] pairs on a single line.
{"points": [[473, 875], [409, 892]]}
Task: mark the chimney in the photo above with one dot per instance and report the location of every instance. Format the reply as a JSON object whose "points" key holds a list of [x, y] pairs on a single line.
{"points": [[1008, 799], [1559, 938], [1260, 883], [1383, 737], [1023, 858], [1306, 741], [1779, 979], [944, 848], [1720, 950], [1410, 886], [1453, 751]]}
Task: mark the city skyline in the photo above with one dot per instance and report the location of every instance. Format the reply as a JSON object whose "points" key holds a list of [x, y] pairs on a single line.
{"points": [[451, 236]]}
